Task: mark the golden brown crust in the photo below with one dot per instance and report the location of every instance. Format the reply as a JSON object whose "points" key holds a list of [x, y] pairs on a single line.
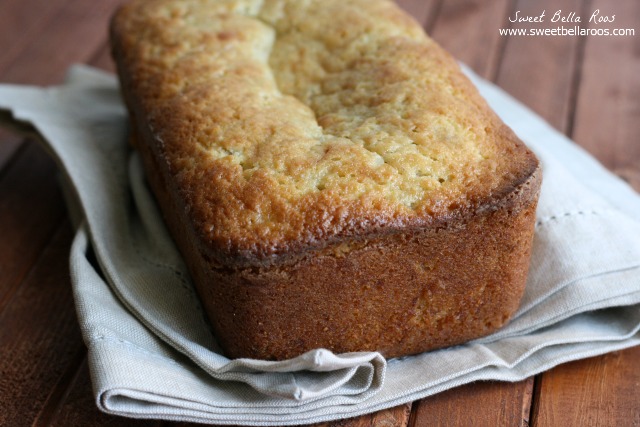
{"points": [[386, 135], [323, 169]]}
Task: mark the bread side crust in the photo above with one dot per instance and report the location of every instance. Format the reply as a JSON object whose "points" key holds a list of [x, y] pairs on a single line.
{"points": [[400, 294]]}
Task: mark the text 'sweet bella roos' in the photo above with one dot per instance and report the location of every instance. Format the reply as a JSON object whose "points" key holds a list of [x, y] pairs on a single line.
{"points": [[567, 17]]}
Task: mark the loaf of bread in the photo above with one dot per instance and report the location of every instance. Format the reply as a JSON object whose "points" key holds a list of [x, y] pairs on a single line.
{"points": [[329, 175]]}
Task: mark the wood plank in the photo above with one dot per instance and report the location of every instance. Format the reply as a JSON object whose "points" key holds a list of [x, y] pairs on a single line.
{"points": [[468, 29], [59, 391], [606, 121], [19, 20], [39, 337], [41, 39], [424, 11], [20, 24], [479, 404], [72, 404], [542, 71], [601, 391], [551, 68], [72, 35], [31, 208], [35, 33], [392, 417]]}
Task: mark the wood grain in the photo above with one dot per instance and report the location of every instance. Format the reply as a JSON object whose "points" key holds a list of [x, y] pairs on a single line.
{"points": [[39, 337], [543, 71], [72, 34], [40, 40], [469, 30], [424, 11], [393, 417], [31, 208], [481, 404], [607, 120], [20, 26], [601, 391]]}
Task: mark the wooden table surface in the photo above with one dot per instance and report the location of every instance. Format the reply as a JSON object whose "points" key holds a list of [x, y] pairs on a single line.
{"points": [[587, 87]]}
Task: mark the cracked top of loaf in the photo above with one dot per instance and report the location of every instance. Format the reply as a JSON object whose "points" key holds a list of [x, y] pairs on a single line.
{"points": [[287, 125]]}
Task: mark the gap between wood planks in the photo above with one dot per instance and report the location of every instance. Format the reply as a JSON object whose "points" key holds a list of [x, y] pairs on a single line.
{"points": [[577, 76]]}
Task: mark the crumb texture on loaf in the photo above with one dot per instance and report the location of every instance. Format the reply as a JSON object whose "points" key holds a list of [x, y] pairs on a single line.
{"points": [[288, 124]]}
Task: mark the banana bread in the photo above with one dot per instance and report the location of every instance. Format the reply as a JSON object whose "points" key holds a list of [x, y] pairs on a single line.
{"points": [[330, 176]]}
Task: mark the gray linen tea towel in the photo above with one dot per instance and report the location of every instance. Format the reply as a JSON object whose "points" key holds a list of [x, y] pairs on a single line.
{"points": [[151, 352]]}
